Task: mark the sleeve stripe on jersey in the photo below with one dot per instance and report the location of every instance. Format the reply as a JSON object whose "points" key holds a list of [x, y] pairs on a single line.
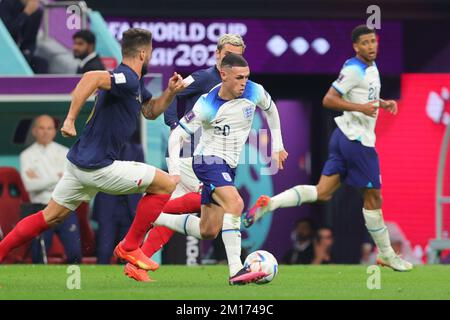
{"points": [[337, 89], [270, 106], [185, 128]]}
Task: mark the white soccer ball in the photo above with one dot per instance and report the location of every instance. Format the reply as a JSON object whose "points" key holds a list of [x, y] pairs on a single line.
{"points": [[262, 261]]}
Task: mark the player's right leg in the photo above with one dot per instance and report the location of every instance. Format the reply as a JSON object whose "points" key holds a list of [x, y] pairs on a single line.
{"points": [[293, 197], [33, 225], [67, 196]]}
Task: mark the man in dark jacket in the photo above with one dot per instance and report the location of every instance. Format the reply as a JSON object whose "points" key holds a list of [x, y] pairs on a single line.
{"points": [[84, 49]]}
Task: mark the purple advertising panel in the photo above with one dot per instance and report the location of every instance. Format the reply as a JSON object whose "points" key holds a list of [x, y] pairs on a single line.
{"points": [[273, 46], [295, 121], [273, 231]]}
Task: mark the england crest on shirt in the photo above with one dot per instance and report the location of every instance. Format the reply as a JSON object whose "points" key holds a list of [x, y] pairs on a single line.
{"points": [[248, 112], [226, 176]]}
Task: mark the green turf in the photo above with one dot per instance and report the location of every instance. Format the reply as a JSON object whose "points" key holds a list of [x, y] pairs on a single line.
{"points": [[211, 282]]}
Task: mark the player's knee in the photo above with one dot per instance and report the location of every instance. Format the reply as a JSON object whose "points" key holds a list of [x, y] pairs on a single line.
{"points": [[53, 219], [239, 205], [323, 195], [171, 185], [373, 200], [209, 233], [235, 205], [168, 187]]}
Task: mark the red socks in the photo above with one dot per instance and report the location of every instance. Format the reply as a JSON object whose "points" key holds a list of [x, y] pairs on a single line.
{"points": [[188, 203], [159, 235], [27, 229], [156, 239], [148, 210]]}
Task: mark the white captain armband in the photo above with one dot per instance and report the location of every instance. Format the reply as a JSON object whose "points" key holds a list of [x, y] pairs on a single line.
{"points": [[119, 78]]}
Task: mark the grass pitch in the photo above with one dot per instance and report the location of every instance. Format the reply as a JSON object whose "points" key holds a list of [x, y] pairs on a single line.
{"points": [[211, 282]]}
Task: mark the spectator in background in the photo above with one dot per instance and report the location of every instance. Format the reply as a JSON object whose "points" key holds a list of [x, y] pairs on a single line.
{"points": [[41, 167], [23, 18], [84, 49], [302, 251], [323, 243]]}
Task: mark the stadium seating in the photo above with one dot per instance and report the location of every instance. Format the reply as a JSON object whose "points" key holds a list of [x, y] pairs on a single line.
{"points": [[12, 195], [12, 61]]}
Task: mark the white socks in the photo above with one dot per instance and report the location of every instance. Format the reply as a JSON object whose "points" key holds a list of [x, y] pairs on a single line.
{"points": [[377, 229], [187, 224], [293, 197], [231, 236], [190, 225]]}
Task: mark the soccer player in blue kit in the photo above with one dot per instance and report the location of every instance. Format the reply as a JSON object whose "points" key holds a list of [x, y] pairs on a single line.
{"points": [[92, 164], [352, 155]]}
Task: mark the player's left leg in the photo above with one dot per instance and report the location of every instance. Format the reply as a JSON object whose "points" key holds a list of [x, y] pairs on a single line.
{"points": [[129, 177], [159, 235], [148, 210], [185, 199], [364, 173], [232, 205], [293, 197], [373, 217]]}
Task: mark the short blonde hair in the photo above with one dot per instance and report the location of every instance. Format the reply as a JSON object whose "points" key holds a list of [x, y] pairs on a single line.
{"points": [[230, 38]]}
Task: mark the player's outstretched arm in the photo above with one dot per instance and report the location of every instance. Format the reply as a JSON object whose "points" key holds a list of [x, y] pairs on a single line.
{"points": [[279, 154], [187, 127], [176, 138], [333, 100], [89, 83], [154, 107]]}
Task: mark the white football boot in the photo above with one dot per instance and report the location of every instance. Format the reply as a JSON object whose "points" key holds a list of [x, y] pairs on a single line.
{"points": [[394, 261]]}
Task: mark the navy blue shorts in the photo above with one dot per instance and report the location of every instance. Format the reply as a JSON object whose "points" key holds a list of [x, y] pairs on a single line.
{"points": [[357, 164], [213, 172]]}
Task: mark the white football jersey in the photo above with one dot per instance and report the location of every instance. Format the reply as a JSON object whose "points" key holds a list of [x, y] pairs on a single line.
{"points": [[226, 124], [358, 83]]}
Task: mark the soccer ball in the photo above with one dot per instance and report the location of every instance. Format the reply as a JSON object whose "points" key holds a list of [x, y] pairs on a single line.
{"points": [[262, 261]]}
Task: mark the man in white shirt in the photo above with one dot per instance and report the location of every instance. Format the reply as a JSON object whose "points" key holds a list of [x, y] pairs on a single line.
{"points": [[352, 156], [41, 167]]}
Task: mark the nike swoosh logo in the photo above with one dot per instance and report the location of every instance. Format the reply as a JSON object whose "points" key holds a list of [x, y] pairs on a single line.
{"points": [[219, 121]]}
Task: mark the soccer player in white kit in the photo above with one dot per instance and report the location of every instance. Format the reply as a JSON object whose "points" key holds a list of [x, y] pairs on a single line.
{"points": [[352, 155], [225, 115]]}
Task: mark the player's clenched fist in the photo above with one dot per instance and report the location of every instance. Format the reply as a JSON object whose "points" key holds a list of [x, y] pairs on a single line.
{"points": [[280, 157], [370, 109], [68, 128], [390, 105], [176, 83]]}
